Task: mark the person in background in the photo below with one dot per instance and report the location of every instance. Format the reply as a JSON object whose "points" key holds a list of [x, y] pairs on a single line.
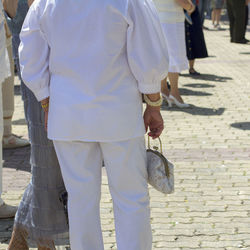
{"points": [[195, 41], [216, 12], [40, 216], [91, 93], [9, 139], [172, 20], [6, 211], [237, 20], [203, 9], [247, 14]]}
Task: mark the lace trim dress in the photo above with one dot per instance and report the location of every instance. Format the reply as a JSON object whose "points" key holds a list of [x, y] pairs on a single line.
{"points": [[40, 213]]}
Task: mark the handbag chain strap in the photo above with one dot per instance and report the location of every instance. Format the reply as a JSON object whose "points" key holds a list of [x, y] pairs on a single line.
{"points": [[155, 147]]}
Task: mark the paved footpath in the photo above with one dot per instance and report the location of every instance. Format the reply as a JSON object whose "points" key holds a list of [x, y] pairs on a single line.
{"points": [[210, 146]]}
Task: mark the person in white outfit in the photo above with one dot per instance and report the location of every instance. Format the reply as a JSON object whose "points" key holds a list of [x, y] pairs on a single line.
{"points": [[6, 211], [172, 19], [91, 61]]}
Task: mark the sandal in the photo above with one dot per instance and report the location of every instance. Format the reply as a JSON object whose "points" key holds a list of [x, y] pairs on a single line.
{"points": [[14, 141], [194, 72]]}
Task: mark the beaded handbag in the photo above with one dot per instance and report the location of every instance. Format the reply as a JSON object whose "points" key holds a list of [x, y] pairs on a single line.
{"points": [[160, 170]]}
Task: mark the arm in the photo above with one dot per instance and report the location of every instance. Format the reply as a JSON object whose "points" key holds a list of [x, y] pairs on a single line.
{"points": [[10, 7], [35, 69], [152, 117], [187, 5], [7, 31], [148, 58], [30, 2], [34, 55]]}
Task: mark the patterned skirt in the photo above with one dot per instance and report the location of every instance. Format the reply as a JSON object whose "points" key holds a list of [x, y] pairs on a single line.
{"points": [[41, 213]]}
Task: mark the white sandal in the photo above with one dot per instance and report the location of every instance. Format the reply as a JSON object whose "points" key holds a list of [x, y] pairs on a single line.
{"points": [[14, 141]]}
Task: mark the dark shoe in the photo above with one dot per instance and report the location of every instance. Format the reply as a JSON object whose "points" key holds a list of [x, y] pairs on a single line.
{"points": [[243, 41], [194, 72]]}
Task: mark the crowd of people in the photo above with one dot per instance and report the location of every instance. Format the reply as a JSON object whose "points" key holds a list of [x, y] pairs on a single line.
{"points": [[238, 15], [83, 68]]}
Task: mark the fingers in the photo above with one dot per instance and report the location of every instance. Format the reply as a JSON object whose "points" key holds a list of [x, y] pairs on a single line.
{"points": [[156, 132], [146, 125]]}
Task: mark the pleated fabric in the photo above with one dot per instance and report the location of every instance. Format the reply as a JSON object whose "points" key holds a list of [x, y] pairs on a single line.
{"points": [[40, 213]]}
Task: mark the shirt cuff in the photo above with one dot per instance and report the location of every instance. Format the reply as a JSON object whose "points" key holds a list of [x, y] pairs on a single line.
{"points": [[149, 88], [42, 94]]}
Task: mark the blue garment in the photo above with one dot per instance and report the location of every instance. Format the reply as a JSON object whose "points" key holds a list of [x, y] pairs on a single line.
{"points": [[195, 41], [40, 212]]}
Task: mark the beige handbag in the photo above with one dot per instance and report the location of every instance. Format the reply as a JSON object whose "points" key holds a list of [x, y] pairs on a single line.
{"points": [[160, 170]]}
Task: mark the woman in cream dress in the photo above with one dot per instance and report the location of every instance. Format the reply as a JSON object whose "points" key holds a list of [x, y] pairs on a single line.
{"points": [[172, 19]]}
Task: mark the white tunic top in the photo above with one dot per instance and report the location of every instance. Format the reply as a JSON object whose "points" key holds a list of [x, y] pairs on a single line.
{"points": [[170, 11], [94, 59], [4, 60]]}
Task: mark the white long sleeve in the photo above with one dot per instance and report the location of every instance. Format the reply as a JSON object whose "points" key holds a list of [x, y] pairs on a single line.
{"points": [[147, 51], [94, 59], [34, 55]]}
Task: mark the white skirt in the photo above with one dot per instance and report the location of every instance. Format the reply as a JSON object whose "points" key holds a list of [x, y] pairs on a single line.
{"points": [[175, 39]]}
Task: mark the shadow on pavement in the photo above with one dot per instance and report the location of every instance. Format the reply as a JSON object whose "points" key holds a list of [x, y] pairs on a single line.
{"points": [[17, 90], [184, 91], [244, 53], [241, 125], [209, 77], [6, 227], [199, 85], [216, 29], [19, 122], [195, 110], [17, 158]]}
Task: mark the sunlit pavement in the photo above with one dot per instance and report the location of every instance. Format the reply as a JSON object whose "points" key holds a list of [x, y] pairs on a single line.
{"points": [[209, 143]]}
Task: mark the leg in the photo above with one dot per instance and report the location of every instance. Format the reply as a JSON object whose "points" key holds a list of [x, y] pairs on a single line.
{"points": [[46, 248], [213, 17], [246, 18], [174, 78], [10, 140], [240, 12], [192, 71], [231, 17], [218, 15], [191, 65], [125, 163], [6, 211], [164, 87], [81, 164], [8, 94], [18, 240]]}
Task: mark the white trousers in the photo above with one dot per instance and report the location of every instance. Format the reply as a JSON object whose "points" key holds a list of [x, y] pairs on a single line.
{"points": [[125, 162]]}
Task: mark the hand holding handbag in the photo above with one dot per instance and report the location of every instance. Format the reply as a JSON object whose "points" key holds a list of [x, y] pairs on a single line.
{"points": [[160, 170]]}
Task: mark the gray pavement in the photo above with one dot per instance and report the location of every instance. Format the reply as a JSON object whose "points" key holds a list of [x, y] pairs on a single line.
{"points": [[209, 144]]}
